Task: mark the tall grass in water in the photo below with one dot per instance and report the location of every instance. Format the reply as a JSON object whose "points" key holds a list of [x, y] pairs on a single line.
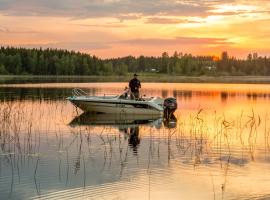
{"points": [[197, 134], [20, 137]]}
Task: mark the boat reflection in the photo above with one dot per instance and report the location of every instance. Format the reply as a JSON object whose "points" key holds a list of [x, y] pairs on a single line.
{"points": [[133, 135], [116, 120], [123, 121], [170, 122], [129, 125]]}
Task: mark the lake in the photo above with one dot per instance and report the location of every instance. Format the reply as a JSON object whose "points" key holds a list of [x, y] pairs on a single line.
{"points": [[217, 147]]}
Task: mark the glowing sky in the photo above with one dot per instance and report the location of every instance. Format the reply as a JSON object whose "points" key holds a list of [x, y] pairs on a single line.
{"points": [[112, 28]]}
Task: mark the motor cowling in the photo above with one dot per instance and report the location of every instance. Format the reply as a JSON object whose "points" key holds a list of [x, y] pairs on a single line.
{"points": [[170, 105]]}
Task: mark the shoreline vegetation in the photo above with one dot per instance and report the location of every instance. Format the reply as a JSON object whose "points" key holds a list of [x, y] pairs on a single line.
{"points": [[165, 78], [23, 61]]}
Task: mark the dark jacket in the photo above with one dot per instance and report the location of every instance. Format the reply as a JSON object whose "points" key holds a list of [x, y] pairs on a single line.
{"points": [[134, 85]]}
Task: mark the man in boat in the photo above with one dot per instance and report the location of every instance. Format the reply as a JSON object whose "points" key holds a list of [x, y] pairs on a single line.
{"points": [[134, 86]]}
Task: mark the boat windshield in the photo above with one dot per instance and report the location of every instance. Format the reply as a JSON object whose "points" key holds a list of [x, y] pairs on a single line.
{"points": [[125, 95], [128, 95]]}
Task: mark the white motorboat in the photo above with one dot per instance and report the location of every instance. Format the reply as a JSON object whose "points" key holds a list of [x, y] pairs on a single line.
{"points": [[121, 104]]}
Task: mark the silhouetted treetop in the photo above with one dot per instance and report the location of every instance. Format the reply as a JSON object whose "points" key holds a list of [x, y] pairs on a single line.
{"points": [[21, 61]]}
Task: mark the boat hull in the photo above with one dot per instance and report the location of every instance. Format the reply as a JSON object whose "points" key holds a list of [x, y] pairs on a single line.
{"points": [[120, 108]]}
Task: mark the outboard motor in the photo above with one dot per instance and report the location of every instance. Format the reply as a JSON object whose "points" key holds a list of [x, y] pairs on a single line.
{"points": [[170, 105]]}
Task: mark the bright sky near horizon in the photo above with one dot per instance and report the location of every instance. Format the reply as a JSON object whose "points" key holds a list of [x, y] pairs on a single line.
{"points": [[116, 28]]}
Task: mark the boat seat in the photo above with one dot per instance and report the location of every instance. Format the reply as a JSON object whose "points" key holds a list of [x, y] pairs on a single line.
{"points": [[124, 96]]}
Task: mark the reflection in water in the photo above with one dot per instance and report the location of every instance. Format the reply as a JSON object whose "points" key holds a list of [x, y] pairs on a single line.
{"points": [[224, 96], [48, 152], [170, 122], [36, 93], [117, 120], [49, 92], [164, 93], [127, 124], [134, 139]]}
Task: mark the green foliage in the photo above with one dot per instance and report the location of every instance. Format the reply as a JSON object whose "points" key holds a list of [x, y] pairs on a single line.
{"points": [[253, 65], [122, 69], [108, 68], [19, 61], [3, 70]]}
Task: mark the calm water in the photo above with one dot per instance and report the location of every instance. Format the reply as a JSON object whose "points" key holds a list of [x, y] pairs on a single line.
{"points": [[217, 149]]}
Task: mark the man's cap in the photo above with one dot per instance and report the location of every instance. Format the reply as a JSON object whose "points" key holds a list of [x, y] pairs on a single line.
{"points": [[135, 75]]}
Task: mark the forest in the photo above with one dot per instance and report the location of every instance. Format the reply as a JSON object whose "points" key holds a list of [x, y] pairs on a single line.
{"points": [[23, 61]]}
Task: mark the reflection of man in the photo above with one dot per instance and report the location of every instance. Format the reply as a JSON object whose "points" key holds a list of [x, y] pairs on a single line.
{"points": [[134, 139], [170, 122], [125, 131], [134, 86]]}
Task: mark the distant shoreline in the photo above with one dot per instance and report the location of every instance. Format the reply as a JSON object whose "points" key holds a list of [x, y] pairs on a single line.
{"points": [[5, 79]]}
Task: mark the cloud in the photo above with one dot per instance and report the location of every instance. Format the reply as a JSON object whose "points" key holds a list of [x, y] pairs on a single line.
{"points": [[9, 31], [127, 9], [162, 20], [124, 9], [126, 45], [106, 25], [78, 46], [177, 41]]}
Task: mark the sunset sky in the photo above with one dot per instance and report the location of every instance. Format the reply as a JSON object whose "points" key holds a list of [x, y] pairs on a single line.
{"points": [[112, 28]]}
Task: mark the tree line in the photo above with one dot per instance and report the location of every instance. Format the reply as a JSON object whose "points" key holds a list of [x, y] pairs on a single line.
{"points": [[22, 61]]}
